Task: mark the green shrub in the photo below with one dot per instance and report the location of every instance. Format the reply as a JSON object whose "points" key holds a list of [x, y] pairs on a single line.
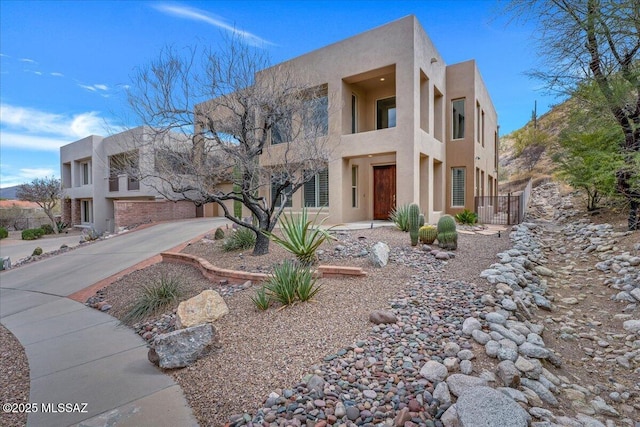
{"points": [[467, 217], [61, 226], [219, 234], [47, 228], [301, 236], [290, 282], [428, 234], [261, 300], [154, 298], [400, 216], [3, 233], [37, 251], [32, 233], [242, 238]]}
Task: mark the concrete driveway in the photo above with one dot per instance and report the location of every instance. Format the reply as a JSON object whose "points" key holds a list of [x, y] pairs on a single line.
{"points": [[79, 355]]}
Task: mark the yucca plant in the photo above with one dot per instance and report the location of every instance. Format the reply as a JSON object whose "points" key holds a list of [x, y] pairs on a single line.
{"points": [[290, 282], [242, 238], [400, 216], [261, 300], [283, 283], [301, 236], [467, 217], [153, 298]]}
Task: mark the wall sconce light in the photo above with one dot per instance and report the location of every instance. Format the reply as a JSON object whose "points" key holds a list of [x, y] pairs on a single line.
{"points": [[434, 60], [477, 157]]}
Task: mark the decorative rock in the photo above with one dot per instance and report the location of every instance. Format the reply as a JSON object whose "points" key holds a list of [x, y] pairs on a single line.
{"points": [[508, 304], [206, 307], [380, 254], [340, 411], [381, 317], [469, 325], [486, 407], [353, 413], [539, 389], [481, 337], [544, 271], [181, 348], [402, 417], [451, 349], [632, 326], [508, 373], [441, 392], [459, 383], [466, 367], [450, 417], [602, 408], [434, 371], [532, 350]]}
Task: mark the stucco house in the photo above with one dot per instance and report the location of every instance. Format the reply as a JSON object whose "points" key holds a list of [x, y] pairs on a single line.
{"points": [[99, 193], [404, 126]]}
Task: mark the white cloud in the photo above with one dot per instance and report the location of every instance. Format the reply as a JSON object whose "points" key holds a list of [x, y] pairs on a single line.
{"points": [[200, 15], [25, 175], [39, 73], [54, 74], [30, 129], [30, 61], [3, 55], [95, 87]]}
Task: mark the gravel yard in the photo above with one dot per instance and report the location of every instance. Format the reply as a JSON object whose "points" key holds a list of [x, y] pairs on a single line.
{"points": [[14, 378], [262, 352]]}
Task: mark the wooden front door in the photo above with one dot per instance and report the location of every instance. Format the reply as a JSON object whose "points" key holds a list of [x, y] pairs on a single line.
{"points": [[384, 191]]}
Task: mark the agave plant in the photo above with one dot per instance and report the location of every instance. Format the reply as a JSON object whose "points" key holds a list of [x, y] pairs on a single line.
{"points": [[301, 236]]}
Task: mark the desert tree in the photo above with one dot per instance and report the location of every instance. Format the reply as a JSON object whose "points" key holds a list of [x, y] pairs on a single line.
{"points": [[224, 126], [46, 193], [595, 41]]}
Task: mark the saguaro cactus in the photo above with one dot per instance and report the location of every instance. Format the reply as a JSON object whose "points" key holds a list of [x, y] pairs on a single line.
{"points": [[414, 223]]}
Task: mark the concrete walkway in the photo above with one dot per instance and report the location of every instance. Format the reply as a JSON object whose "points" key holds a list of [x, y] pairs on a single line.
{"points": [[78, 355]]}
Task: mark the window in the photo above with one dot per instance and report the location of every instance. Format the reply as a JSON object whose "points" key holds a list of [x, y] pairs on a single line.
{"points": [[482, 130], [281, 129], [318, 123], [478, 124], [354, 186], [457, 187], [85, 169], [386, 113], [86, 211], [316, 190], [354, 113], [458, 118], [280, 186]]}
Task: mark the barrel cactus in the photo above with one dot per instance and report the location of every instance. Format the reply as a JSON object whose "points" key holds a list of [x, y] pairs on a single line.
{"points": [[428, 234], [447, 234], [414, 223], [219, 234]]}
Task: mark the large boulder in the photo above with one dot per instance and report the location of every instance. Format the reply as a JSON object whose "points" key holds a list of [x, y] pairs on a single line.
{"points": [[182, 347], [206, 307], [380, 254], [487, 407]]}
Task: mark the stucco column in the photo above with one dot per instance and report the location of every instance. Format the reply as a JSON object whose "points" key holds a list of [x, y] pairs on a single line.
{"points": [[337, 200]]}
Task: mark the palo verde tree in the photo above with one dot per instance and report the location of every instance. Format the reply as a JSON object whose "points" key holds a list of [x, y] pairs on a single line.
{"points": [[595, 41], [226, 127], [46, 193]]}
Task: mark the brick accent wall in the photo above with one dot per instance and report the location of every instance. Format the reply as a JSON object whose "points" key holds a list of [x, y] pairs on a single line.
{"points": [[66, 211], [76, 217], [128, 213]]}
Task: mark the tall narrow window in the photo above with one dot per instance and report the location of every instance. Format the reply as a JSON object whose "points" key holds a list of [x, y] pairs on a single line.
{"points": [[316, 190], [386, 113], [458, 118], [86, 211], [316, 112], [457, 187], [354, 186], [482, 130], [354, 113], [85, 169], [478, 124]]}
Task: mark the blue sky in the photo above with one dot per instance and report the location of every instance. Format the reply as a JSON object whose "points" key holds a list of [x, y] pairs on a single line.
{"points": [[65, 65]]}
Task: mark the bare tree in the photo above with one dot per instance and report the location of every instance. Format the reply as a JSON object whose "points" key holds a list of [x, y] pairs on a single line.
{"points": [[225, 127], [46, 193], [595, 40]]}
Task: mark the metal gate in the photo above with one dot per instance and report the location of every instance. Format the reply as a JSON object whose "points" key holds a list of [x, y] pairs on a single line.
{"points": [[507, 210]]}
